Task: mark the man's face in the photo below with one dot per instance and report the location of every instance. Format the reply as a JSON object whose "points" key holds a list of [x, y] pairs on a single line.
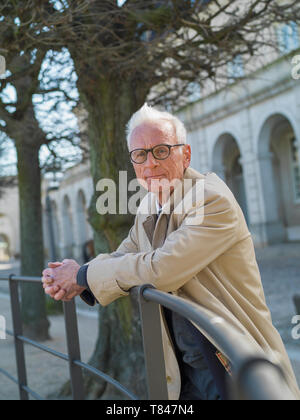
{"points": [[151, 134]]}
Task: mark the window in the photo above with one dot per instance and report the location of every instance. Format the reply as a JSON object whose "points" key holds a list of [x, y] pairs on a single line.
{"points": [[288, 37], [296, 168]]}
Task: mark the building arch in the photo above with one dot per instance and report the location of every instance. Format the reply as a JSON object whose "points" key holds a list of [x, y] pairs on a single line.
{"points": [[277, 149], [229, 131], [226, 162], [266, 120]]}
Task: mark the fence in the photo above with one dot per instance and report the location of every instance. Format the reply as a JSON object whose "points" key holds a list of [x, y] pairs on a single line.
{"points": [[254, 376]]}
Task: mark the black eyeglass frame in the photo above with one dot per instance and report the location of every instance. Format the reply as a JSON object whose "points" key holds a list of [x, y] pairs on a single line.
{"points": [[169, 146]]}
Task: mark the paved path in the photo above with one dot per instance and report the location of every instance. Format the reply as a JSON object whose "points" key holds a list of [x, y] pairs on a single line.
{"points": [[46, 374], [280, 270]]}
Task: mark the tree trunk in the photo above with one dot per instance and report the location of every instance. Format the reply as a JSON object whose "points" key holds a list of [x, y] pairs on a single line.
{"points": [[119, 351], [35, 322]]}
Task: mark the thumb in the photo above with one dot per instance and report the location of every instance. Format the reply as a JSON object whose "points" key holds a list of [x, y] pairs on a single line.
{"points": [[54, 264]]}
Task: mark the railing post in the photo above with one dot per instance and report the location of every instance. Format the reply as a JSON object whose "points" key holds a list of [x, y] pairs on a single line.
{"points": [[153, 347], [18, 331], [73, 350]]}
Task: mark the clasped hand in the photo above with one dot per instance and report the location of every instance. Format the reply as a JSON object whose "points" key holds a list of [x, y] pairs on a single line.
{"points": [[60, 280]]}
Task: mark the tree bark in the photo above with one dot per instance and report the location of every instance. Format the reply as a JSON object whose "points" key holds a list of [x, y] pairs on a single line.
{"points": [[35, 322], [119, 351], [23, 128]]}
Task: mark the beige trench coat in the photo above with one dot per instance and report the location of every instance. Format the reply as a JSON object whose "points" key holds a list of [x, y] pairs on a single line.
{"points": [[211, 262]]}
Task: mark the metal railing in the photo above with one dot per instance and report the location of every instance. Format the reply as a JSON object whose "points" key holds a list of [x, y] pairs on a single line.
{"points": [[72, 337], [254, 376]]}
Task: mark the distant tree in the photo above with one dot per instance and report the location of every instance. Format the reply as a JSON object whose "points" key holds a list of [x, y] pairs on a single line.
{"points": [[24, 91]]}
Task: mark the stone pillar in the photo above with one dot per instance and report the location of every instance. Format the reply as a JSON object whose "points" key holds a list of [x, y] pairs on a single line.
{"points": [[80, 226], [254, 207], [298, 162], [67, 229], [298, 148], [273, 227]]}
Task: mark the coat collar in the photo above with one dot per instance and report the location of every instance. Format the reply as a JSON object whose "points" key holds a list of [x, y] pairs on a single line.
{"points": [[156, 227], [149, 226]]}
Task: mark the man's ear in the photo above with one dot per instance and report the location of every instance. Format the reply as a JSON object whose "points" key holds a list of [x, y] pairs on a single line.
{"points": [[187, 152]]}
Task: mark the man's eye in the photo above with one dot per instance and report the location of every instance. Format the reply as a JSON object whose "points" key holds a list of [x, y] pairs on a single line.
{"points": [[141, 153], [161, 151]]}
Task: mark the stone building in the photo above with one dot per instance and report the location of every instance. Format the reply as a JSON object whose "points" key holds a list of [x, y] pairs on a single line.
{"points": [[250, 136], [65, 214]]}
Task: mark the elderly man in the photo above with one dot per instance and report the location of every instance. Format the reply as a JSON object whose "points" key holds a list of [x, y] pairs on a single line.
{"points": [[203, 253]]}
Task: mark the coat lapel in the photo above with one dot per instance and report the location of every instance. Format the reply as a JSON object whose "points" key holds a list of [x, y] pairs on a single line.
{"points": [[156, 230], [149, 226], [160, 231]]}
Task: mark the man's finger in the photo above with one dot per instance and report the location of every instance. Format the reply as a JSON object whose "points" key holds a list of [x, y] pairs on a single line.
{"points": [[66, 261], [47, 286], [52, 291], [47, 272], [47, 280], [54, 264], [49, 289], [60, 295]]}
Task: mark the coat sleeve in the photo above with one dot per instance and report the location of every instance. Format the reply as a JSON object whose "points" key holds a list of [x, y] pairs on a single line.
{"points": [[129, 245], [186, 252]]}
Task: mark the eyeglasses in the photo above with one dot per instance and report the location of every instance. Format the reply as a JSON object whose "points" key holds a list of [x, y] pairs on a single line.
{"points": [[159, 152]]}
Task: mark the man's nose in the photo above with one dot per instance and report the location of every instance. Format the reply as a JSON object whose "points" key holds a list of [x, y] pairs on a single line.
{"points": [[151, 161]]}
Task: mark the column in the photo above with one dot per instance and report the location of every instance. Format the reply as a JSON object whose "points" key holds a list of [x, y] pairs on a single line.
{"points": [[274, 229], [252, 187]]}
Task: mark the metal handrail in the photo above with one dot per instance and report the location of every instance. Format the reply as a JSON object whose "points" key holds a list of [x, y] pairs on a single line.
{"points": [[73, 356], [254, 375]]}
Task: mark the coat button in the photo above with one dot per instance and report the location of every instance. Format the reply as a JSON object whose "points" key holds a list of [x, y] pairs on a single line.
{"points": [[169, 379]]}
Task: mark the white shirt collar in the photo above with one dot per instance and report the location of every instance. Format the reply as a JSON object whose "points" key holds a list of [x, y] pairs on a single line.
{"points": [[158, 207]]}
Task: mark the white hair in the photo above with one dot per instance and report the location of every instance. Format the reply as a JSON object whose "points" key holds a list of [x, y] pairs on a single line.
{"points": [[149, 114]]}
